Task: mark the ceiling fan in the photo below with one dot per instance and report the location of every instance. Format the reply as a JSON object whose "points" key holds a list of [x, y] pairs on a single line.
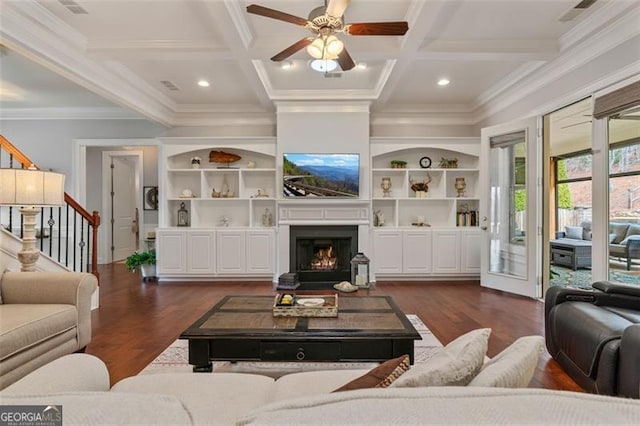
{"points": [[324, 22]]}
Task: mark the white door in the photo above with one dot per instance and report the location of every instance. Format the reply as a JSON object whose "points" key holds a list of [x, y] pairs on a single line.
{"points": [[124, 207], [446, 255], [510, 207], [388, 251], [230, 252], [201, 252], [260, 248]]}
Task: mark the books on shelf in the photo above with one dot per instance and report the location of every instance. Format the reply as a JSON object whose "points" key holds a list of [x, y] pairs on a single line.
{"points": [[468, 218]]}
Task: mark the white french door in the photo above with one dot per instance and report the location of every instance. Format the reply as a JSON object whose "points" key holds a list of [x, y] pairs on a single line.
{"points": [[510, 207]]}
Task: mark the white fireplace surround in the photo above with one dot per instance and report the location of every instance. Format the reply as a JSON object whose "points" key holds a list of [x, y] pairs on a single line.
{"points": [[321, 213]]}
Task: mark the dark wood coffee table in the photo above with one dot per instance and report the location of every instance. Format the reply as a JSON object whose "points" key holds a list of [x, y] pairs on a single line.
{"points": [[243, 328]]}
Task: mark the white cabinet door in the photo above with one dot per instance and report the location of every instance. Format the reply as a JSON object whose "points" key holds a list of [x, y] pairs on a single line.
{"points": [[388, 251], [230, 252], [416, 252], [471, 245], [260, 249], [446, 255], [201, 249], [172, 252]]}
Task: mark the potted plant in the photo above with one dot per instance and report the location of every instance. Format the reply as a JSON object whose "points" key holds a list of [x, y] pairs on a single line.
{"points": [[145, 260], [398, 164]]}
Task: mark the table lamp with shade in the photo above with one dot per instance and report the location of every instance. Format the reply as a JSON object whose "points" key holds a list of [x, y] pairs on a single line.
{"points": [[30, 189]]}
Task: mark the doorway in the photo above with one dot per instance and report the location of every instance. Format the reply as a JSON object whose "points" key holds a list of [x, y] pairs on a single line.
{"points": [[121, 202]]}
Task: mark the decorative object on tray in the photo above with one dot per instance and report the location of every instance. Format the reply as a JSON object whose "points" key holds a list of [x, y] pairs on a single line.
{"points": [[421, 189], [386, 186], [288, 281], [183, 215], [292, 305], [398, 164], [223, 158], [378, 218], [460, 185], [449, 163], [425, 162], [267, 218], [345, 287], [195, 162], [360, 271]]}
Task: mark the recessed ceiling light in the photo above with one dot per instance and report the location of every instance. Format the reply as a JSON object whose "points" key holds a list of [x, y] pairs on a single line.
{"points": [[443, 82], [323, 65], [286, 65], [203, 83], [362, 65]]}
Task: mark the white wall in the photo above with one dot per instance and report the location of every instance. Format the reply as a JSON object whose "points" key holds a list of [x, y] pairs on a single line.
{"points": [[321, 127], [48, 143]]}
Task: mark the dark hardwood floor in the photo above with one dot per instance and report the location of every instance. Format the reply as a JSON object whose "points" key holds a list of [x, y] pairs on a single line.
{"points": [[137, 320]]}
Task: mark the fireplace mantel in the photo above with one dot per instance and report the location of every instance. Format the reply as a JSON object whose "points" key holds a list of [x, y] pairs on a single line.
{"points": [[319, 212]]}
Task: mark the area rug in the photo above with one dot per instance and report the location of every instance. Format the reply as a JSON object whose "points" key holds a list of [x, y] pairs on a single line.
{"points": [[174, 359], [582, 277]]}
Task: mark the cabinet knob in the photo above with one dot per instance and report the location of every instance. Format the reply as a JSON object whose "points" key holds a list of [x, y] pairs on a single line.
{"points": [[300, 354]]}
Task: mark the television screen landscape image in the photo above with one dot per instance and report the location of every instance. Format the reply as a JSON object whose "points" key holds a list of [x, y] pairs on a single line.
{"points": [[321, 175]]}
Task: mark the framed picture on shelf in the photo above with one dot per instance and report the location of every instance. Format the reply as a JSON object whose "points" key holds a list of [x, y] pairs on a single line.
{"points": [[150, 197]]}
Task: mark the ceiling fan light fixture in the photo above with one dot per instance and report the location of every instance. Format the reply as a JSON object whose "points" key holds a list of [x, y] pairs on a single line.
{"points": [[334, 46], [323, 65], [316, 48]]}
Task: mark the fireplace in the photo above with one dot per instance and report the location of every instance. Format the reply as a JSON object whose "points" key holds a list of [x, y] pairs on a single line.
{"points": [[322, 254]]}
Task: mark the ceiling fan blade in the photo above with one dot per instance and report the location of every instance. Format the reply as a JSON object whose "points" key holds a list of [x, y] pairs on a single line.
{"points": [[276, 14], [336, 8], [298, 45], [377, 28], [345, 61]]}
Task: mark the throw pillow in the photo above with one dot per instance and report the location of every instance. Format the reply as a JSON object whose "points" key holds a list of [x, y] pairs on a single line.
{"points": [[573, 232], [513, 367], [455, 365], [381, 376]]}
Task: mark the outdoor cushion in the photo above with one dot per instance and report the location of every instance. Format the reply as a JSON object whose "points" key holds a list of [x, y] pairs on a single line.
{"points": [[620, 229], [573, 232], [379, 377]]}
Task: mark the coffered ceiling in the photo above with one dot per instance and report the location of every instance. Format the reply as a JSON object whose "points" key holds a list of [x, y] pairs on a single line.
{"points": [[146, 57]]}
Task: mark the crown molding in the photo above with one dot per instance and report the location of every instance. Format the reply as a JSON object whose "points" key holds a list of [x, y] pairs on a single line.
{"points": [[75, 113], [332, 106], [600, 43], [27, 28], [422, 119], [238, 17], [219, 118]]}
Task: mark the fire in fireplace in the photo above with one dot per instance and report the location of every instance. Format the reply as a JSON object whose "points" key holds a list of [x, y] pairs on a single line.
{"points": [[322, 253], [324, 259]]}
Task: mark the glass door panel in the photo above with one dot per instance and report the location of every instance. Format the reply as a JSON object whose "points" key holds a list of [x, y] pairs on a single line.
{"points": [[508, 209]]}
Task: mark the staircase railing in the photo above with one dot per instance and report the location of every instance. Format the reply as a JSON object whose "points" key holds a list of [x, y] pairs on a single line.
{"points": [[70, 231]]}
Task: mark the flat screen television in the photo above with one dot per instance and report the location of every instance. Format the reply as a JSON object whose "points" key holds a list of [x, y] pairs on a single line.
{"points": [[321, 175]]}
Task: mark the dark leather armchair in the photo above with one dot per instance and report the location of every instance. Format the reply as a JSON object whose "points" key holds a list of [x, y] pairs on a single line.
{"points": [[595, 336]]}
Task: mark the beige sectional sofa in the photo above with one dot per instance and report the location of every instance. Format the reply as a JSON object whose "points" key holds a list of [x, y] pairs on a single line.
{"points": [[43, 316], [80, 383]]}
